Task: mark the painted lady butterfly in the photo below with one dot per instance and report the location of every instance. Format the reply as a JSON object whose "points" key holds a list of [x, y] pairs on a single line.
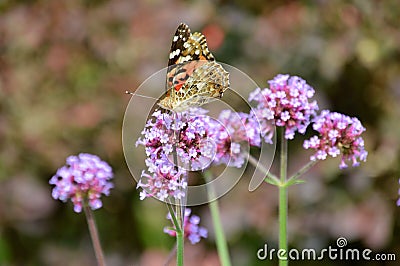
{"points": [[193, 76]]}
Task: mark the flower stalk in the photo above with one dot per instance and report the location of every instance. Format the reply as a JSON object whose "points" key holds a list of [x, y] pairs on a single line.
{"points": [[283, 201], [179, 247], [179, 221], [94, 235], [295, 179], [180, 243], [220, 239]]}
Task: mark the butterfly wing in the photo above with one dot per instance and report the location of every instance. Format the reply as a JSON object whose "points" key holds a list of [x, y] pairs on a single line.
{"points": [[193, 75], [181, 36], [201, 82], [187, 47]]}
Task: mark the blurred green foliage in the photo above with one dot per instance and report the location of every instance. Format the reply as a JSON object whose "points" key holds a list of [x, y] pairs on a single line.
{"points": [[64, 68]]}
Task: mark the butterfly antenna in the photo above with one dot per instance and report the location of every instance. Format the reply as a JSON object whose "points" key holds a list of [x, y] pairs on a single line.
{"points": [[135, 94]]}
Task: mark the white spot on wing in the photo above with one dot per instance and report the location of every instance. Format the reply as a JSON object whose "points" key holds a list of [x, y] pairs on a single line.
{"points": [[186, 58], [174, 53]]}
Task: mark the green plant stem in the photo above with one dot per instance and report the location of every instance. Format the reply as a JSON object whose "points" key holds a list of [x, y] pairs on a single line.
{"points": [[94, 235], [179, 235], [300, 172], [179, 218], [173, 216], [283, 200], [304, 169], [222, 246], [179, 247]]}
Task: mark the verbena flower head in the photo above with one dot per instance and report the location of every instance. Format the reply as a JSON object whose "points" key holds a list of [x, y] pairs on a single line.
{"points": [[83, 179], [287, 103], [234, 130], [164, 181], [187, 133], [192, 230], [398, 201], [338, 134]]}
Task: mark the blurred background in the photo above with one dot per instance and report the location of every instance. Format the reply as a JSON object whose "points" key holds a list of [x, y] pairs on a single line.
{"points": [[64, 69]]}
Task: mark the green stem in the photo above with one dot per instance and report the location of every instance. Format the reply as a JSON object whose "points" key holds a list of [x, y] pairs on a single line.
{"points": [[283, 200], [173, 216], [222, 246], [179, 218], [179, 247], [179, 238], [179, 232], [300, 172], [94, 235]]}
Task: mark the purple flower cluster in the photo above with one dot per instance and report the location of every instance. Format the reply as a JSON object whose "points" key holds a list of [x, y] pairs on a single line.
{"points": [[83, 179], [338, 134], [192, 230], [234, 130], [286, 104], [187, 134], [398, 201], [164, 181]]}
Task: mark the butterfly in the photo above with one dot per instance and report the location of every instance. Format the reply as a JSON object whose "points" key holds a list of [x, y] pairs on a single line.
{"points": [[194, 77]]}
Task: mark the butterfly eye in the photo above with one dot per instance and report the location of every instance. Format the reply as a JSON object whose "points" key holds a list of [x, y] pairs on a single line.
{"points": [[217, 86]]}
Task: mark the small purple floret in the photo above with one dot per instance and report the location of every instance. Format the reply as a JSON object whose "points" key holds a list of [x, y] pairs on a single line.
{"points": [[192, 230]]}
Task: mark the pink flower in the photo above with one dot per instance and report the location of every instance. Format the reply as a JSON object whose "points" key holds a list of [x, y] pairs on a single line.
{"points": [[191, 228], [286, 103], [163, 182], [338, 134], [398, 201], [234, 130], [187, 133], [84, 178]]}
